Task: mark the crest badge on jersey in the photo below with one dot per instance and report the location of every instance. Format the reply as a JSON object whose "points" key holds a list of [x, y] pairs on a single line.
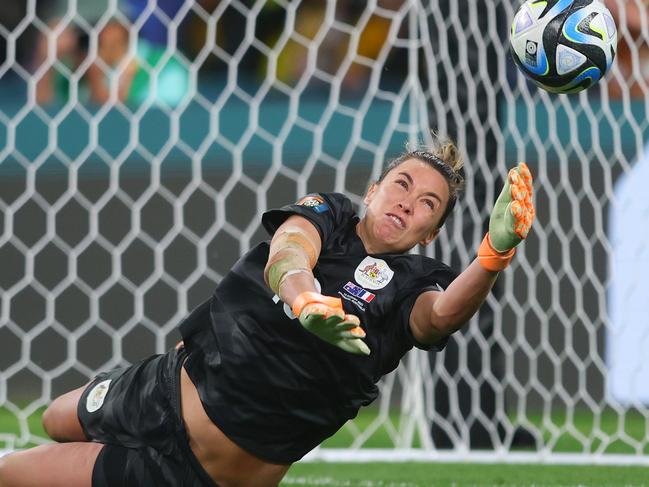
{"points": [[316, 203], [95, 399], [373, 273]]}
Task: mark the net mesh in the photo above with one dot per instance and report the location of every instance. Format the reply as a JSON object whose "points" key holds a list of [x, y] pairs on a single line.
{"points": [[142, 141]]}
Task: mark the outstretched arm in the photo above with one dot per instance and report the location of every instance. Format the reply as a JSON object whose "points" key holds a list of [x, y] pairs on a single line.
{"points": [[438, 314], [293, 253]]}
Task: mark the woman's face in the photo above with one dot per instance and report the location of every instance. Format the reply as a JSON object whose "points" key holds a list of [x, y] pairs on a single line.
{"points": [[405, 208], [113, 43]]}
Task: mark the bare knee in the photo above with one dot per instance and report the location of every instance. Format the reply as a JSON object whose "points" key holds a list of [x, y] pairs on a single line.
{"points": [[60, 419], [55, 420], [8, 475], [51, 420]]}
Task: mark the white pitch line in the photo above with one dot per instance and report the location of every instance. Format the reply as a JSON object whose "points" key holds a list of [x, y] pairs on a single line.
{"points": [[492, 457], [329, 482]]}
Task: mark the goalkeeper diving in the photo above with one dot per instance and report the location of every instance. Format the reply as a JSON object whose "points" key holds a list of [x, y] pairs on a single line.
{"points": [[291, 343]]}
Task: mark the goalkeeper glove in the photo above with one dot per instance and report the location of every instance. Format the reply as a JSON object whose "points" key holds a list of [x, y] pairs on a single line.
{"points": [[510, 220], [324, 317]]}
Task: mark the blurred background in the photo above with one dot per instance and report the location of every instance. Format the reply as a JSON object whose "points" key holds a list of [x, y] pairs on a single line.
{"points": [[142, 140]]}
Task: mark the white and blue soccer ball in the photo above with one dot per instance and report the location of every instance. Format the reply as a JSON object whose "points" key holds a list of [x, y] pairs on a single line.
{"points": [[564, 46]]}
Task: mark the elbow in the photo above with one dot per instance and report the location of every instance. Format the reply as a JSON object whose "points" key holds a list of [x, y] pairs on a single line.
{"points": [[455, 325], [447, 324]]}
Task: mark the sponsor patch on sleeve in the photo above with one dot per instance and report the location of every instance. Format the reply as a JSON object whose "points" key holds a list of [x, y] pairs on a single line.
{"points": [[316, 203], [96, 396]]}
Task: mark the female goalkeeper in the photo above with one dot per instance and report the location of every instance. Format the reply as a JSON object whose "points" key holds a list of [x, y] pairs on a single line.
{"points": [[290, 345]]}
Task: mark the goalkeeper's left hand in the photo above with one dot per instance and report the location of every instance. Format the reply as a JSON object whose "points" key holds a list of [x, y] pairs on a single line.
{"points": [[324, 317], [511, 220]]}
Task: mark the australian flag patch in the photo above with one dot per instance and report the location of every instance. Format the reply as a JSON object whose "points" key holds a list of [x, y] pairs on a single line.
{"points": [[359, 292]]}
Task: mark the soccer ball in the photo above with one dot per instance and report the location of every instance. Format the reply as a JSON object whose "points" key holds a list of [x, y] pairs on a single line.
{"points": [[564, 46]]}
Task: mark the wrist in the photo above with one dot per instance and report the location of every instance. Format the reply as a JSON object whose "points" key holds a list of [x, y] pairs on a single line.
{"points": [[491, 259], [309, 297], [301, 300], [294, 283]]}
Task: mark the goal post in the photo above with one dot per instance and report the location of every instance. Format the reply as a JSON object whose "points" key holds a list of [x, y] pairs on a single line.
{"points": [[140, 143]]}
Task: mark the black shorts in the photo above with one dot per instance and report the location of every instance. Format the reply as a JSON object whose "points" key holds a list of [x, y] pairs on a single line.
{"points": [[135, 412]]}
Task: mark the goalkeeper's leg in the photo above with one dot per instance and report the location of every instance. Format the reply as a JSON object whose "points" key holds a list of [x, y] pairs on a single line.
{"points": [[54, 465], [61, 421]]}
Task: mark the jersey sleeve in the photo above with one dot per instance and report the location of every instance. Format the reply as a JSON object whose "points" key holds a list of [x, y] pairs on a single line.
{"points": [[436, 279], [326, 211]]}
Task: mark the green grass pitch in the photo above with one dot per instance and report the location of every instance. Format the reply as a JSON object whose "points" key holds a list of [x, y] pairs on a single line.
{"points": [[416, 474], [462, 474]]}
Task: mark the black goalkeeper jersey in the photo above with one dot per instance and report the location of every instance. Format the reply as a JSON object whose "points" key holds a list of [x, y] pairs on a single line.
{"points": [[271, 386]]}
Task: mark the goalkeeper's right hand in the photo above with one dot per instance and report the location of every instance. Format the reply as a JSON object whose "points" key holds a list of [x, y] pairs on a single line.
{"points": [[324, 317]]}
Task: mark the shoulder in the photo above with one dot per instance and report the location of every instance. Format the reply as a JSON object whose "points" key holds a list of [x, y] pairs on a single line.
{"points": [[336, 205], [338, 201], [328, 212]]}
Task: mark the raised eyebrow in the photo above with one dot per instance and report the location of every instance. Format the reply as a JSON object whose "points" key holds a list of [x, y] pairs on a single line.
{"points": [[407, 176], [429, 193], [433, 195]]}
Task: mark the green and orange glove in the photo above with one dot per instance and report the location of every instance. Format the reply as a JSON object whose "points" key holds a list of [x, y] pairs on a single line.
{"points": [[511, 220], [325, 318]]}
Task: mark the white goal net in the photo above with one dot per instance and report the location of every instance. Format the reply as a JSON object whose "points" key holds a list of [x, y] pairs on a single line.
{"points": [[141, 141]]}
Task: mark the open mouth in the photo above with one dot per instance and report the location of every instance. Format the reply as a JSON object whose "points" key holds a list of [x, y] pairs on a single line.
{"points": [[397, 221]]}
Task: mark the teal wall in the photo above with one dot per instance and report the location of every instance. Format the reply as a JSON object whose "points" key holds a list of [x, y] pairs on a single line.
{"points": [[197, 128], [571, 126], [574, 127]]}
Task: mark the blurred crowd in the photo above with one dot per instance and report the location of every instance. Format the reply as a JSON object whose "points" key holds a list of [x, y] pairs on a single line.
{"points": [[632, 58], [129, 51]]}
